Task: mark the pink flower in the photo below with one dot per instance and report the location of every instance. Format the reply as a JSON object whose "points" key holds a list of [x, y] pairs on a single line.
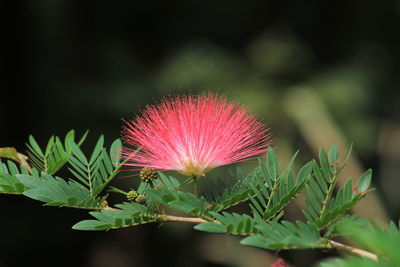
{"points": [[279, 263], [193, 134]]}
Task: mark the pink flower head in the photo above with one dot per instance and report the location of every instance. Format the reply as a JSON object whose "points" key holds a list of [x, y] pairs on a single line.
{"points": [[193, 134]]}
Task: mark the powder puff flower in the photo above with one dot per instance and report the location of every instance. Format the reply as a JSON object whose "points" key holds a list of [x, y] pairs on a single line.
{"points": [[193, 134]]}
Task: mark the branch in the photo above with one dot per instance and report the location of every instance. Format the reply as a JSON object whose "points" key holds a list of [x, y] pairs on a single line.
{"points": [[171, 218], [333, 244], [353, 250]]}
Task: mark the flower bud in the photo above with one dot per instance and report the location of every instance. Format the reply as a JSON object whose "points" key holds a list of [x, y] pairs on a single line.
{"points": [[140, 198], [148, 174], [132, 195]]}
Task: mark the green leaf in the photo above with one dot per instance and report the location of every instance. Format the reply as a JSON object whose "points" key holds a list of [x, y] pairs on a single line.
{"points": [[168, 182], [9, 182], [127, 214], [334, 153], [285, 235], [284, 197], [91, 225], [97, 150], [55, 155], [325, 166], [115, 151], [268, 201], [77, 152], [35, 146], [239, 191], [272, 164], [210, 227], [341, 226], [56, 191], [97, 172], [381, 241], [179, 200], [324, 206], [231, 223], [364, 181], [9, 153], [304, 172]]}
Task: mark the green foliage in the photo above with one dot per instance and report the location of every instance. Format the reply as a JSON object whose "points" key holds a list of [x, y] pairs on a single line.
{"points": [[238, 192], [285, 235], [179, 200], [97, 171], [55, 191], [381, 241], [324, 206], [229, 223], [9, 183], [340, 228], [55, 155], [364, 181], [270, 191], [168, 182], [334, 154], [279, 189], [265, 187], [163, 181], [127, 214]]}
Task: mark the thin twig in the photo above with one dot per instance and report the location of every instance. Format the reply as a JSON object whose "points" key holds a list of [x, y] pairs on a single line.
{"points": [[332, 186], [183, 219], [353, 250]]}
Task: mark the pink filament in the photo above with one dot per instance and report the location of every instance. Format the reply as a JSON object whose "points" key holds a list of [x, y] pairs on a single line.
{"points": [[188, 133]]}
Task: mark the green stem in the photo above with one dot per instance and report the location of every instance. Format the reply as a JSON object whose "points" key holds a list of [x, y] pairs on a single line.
{"points": [[117, 190], [90, 181], [186, 182], [328, 196], [195, 187], [274, 188]]}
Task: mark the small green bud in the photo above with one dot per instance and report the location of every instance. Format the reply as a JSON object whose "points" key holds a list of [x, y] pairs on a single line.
{"points": [[140, 198], [132, 195], [148, 174]]}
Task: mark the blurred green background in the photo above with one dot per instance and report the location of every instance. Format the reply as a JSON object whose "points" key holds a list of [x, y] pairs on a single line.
{"points": [[317, 72]]}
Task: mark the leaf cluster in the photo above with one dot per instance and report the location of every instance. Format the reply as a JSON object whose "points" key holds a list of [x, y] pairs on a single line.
{"points": [[324, 206], [268, 189], [55, 191], [126, 215], [55, 154], [384, 242], [98, 170], [9, 183], [90, 176]]}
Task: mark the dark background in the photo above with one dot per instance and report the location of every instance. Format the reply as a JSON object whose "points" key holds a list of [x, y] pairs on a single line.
{"points": [[87, 64]]}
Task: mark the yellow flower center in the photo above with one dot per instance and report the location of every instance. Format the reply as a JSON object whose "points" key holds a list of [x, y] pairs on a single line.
{"points": [[194, 170]]}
